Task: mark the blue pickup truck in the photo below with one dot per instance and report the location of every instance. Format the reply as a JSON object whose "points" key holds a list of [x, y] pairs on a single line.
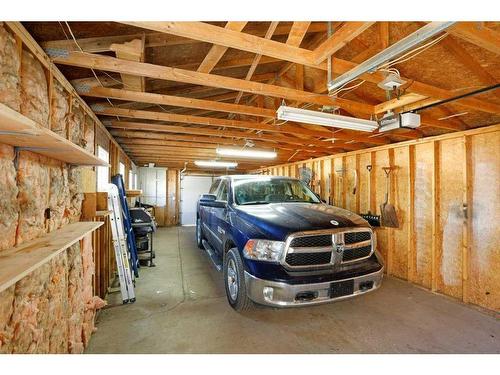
{"points": [[279, 245]]}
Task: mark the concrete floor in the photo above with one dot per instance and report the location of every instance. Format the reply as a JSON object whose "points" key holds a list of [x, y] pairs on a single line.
{"points": [[181, 308]]}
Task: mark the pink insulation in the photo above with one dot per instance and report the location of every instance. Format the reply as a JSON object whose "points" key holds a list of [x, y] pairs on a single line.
{"points": [[33, 197], [34, 91], [9, 70], [76, 124], [58, 196], [6, 310], [60, 110], [89, 135], [52, 310], [75, 198], [9, 206], [76, 304]]}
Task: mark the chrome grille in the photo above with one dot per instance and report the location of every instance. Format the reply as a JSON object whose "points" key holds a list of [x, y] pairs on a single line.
{"points": [[312, 241], [324, 248], [356, 253], [308, 259], [353, 237]]}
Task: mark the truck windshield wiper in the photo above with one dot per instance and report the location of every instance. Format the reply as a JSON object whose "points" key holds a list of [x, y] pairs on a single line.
{"points": [[254, 202]]}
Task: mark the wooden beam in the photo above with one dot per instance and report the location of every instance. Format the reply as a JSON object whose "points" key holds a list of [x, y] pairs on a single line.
{"points": [[297, 33], [384, 34], [341, 66], [475, 33], [304, 143], [256, 60], [86, 60], [103, 43], [217, 51], [143, 97], [134, 136], [132, 51], [232, 39], [247, 125], [339, 39]]}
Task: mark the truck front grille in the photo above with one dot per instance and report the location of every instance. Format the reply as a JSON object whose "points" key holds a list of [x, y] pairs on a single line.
{"points": [[322, 240], [320, 249], [356, 253], [309, 259], [353, 237]]}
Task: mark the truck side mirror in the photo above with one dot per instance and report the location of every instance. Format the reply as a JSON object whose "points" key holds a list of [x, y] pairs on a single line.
{"points": [[205, 198]]}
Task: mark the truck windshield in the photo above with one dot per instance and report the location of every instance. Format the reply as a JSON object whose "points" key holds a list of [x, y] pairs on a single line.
{"points": [[272, 190]]}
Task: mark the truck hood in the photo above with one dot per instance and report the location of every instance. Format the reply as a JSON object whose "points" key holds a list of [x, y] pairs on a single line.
{"points": [[277, 220]]}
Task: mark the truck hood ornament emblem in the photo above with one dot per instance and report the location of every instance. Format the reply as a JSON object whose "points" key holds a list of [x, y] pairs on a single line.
{"points": [[334, 222]]}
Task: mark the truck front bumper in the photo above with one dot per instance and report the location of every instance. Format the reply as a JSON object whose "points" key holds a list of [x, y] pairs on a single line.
{"points": [[279, 294]]}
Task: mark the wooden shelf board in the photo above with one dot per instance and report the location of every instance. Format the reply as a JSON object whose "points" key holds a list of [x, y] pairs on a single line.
{"points": [[18, 130], [103, 213], [133, 193], [19, 261]]}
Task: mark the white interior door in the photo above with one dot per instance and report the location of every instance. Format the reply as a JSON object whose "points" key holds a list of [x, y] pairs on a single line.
{"points": [[191, 189]]}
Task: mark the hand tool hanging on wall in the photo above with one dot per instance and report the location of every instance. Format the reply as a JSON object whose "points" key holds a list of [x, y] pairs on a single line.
{"points": [[120, 246], [387, 210], [373, 220], [355, 188]]}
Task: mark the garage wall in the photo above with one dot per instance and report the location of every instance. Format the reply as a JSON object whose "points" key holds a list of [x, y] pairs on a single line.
{"points": [[446, 190], [191, 189]]}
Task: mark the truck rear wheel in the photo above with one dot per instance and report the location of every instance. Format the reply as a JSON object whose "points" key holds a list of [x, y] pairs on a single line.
{"points": [[234, 281]]}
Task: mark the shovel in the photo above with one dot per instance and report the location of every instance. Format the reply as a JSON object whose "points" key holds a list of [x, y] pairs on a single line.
{"points": [[373, 220], [387, 210]]}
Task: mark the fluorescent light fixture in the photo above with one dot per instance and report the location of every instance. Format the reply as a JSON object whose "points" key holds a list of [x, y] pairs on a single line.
{"points": [[388, 54], [215, 164], [246, 153], [326, 119]]}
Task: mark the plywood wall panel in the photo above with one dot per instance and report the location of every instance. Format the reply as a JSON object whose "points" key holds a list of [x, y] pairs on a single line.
{"points": [[399, 266], [338, 183], [350, 198], [364, 201], [450, 225], [381, 160], [424, 164], [484, 275]]}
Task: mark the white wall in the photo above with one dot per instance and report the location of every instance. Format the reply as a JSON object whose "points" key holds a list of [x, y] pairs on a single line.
{"points": [[191, 189]]}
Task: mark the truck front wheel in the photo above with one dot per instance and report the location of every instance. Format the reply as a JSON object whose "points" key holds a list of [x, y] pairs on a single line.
{"points": [[199, 234], [234, 280]]}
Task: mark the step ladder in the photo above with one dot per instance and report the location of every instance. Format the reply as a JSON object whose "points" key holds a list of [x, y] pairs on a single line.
{"points": [[127, 223], [125, 274]]}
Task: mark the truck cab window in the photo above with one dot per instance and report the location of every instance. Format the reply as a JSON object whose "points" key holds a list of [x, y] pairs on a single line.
{"points": [[222, 193]]}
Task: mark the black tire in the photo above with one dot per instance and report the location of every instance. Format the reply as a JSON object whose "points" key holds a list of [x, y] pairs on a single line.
{"points": [[239, 300], [199, 234]]}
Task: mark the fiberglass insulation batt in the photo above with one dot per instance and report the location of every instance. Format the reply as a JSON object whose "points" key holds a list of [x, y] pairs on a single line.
{"points": [[9, 206], [52, 309], [60, 110], [76, 123], [9, 70], [33, 183], [34, 92]]}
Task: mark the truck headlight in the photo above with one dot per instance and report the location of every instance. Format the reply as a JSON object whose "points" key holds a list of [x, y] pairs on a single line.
{"points": [[269, 251]]}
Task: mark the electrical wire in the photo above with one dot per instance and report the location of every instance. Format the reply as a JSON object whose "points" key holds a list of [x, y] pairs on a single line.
{"points": [[415, 52]]}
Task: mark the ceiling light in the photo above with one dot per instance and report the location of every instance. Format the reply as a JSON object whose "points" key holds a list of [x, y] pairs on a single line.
{"points": [[326, 119], [405, 44], [246, 153], [215, 164]]}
